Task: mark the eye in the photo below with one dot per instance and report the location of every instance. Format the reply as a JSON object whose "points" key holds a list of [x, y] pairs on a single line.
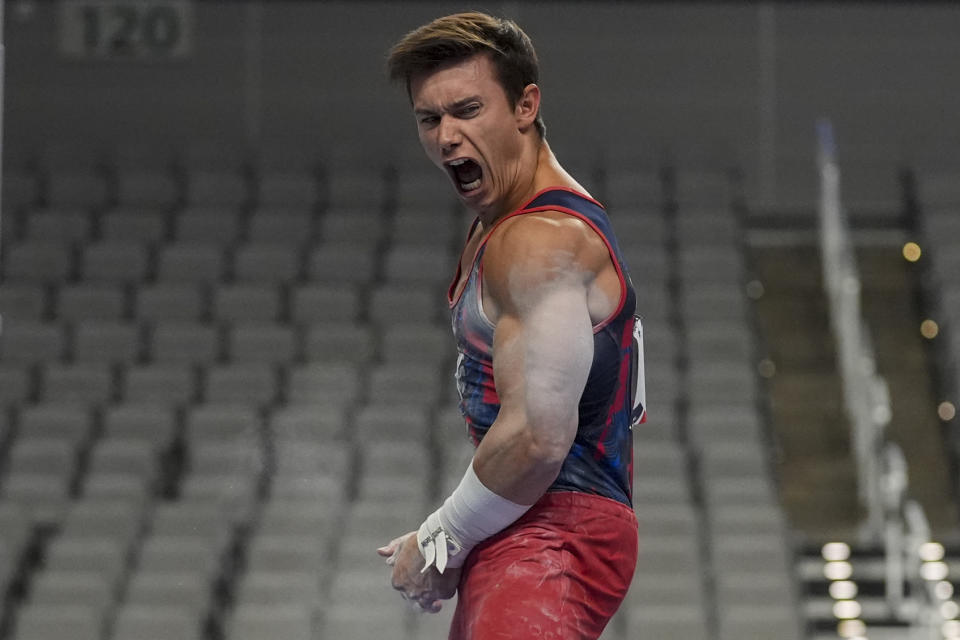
{"points": [[469, 110], [428, 120]]}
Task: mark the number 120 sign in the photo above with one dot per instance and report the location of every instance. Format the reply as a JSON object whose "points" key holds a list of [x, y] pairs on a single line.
{"points": [[126, 29]]}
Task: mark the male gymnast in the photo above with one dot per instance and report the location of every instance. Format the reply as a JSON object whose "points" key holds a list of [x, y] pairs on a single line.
{"points": [[539, 538]]}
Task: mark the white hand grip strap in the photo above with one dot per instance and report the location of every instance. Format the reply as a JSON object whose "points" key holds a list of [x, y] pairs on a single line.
{"points": [[471, 514]]}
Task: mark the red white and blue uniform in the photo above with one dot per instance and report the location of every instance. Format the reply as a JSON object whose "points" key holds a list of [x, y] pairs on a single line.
{"points": [[583, 566]]}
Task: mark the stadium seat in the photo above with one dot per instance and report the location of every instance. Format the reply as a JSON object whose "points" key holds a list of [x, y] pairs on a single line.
{"points": [[267, 262], [148, 226], [263, 342], [159, 302], [56, 621], [114, 261], [324, 384], [342, 262], [235, 494], [89, 302], [157, 622], [185, 343], [38, 262], [224, 188], [266, 622], [338, 342], [218, 226], [296, 423], [87, 382], [191, 262], [185, 590], [312, 303], [106, 341], [67, 225], [349, 187], [279, 588], [396, 304], [105, 556], [166, 384], [184, 551], [415, 264], [360, 621], [16, 386], [202, 522], [21, 188], [77, 187], [276, 188], [143, 187], [137, 457], [285, 552], [154, 422], [31, 342], [355, 226], [405, 383], [223, 422], [425, 189], [427, 344], [385, 421], [116, 519], [247, 383], [432, 228], [245, 302], [22, 302], [290, 227]]}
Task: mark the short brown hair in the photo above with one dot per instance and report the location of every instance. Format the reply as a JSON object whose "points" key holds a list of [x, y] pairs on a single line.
{"points": [[461, 35]]}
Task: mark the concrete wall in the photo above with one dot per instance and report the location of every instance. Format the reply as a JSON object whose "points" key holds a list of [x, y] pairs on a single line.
{"points": [[706, 85]]}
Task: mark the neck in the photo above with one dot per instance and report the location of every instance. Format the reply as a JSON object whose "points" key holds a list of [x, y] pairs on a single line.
{"points": [[541, 171]]}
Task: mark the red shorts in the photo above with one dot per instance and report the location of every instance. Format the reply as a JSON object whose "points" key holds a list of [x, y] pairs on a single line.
{"points": [[557, 573]]}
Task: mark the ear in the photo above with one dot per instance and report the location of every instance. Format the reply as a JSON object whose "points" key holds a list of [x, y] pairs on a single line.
{"points": [[528, 106]]}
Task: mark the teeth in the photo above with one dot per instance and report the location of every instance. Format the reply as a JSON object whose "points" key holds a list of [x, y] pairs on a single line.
{"points": [[457, 163], [470, 186]]}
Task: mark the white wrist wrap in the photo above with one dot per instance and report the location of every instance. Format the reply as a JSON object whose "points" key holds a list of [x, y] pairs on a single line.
{"points": [[470, 515]]}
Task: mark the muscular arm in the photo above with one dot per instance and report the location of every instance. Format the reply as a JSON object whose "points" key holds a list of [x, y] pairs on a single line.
{"points": [[537, 275]]}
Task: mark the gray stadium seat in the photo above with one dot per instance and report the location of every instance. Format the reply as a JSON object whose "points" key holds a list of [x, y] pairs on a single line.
{"points": [[342, 262], [169, 302], [16, 385], [37, 261], [89, 302], [191, 262], [58, 224], [142, 420], [222, 422], [292, 227], [106, 341], [76, 188], [185, 590], [267, 262], [57, 621], [266, 622], [216, 187], [406, 304], [163, 384], [185, 343], [287, 188], [338, 342], [357, 226], [86, 382], [19, 302], [244, 302], [263, 342], [223, 226], [114, 261], [148, 226], [146, 187], [324, 384], [248, 383], [157, 622], [325, 303]]}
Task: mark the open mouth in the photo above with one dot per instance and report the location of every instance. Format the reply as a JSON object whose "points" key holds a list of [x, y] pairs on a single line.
{"points": [[466, 173]]}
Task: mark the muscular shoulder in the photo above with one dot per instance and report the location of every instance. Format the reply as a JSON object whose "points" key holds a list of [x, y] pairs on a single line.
{"points": [[541, 250]]}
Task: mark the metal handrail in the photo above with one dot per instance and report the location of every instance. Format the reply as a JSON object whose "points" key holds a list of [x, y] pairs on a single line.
{"points": [[897, 522]]}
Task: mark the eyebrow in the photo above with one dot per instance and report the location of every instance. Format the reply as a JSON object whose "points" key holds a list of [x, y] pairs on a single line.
{"points": [[459, 104]]}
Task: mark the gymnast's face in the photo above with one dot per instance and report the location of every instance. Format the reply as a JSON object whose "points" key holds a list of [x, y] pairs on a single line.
{"points": [[470, 129]]}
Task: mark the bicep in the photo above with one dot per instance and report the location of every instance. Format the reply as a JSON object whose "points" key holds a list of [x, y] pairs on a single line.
{"points": [[542, 358]]}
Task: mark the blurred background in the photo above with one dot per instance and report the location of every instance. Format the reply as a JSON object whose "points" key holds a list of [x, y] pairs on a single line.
{"points": [[226, 369]]}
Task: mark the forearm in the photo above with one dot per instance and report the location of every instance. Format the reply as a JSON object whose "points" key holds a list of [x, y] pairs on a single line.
{"points": [[517, 463]]}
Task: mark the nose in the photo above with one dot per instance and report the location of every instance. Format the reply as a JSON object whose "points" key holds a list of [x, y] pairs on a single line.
{"points": [[448, 135]]}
